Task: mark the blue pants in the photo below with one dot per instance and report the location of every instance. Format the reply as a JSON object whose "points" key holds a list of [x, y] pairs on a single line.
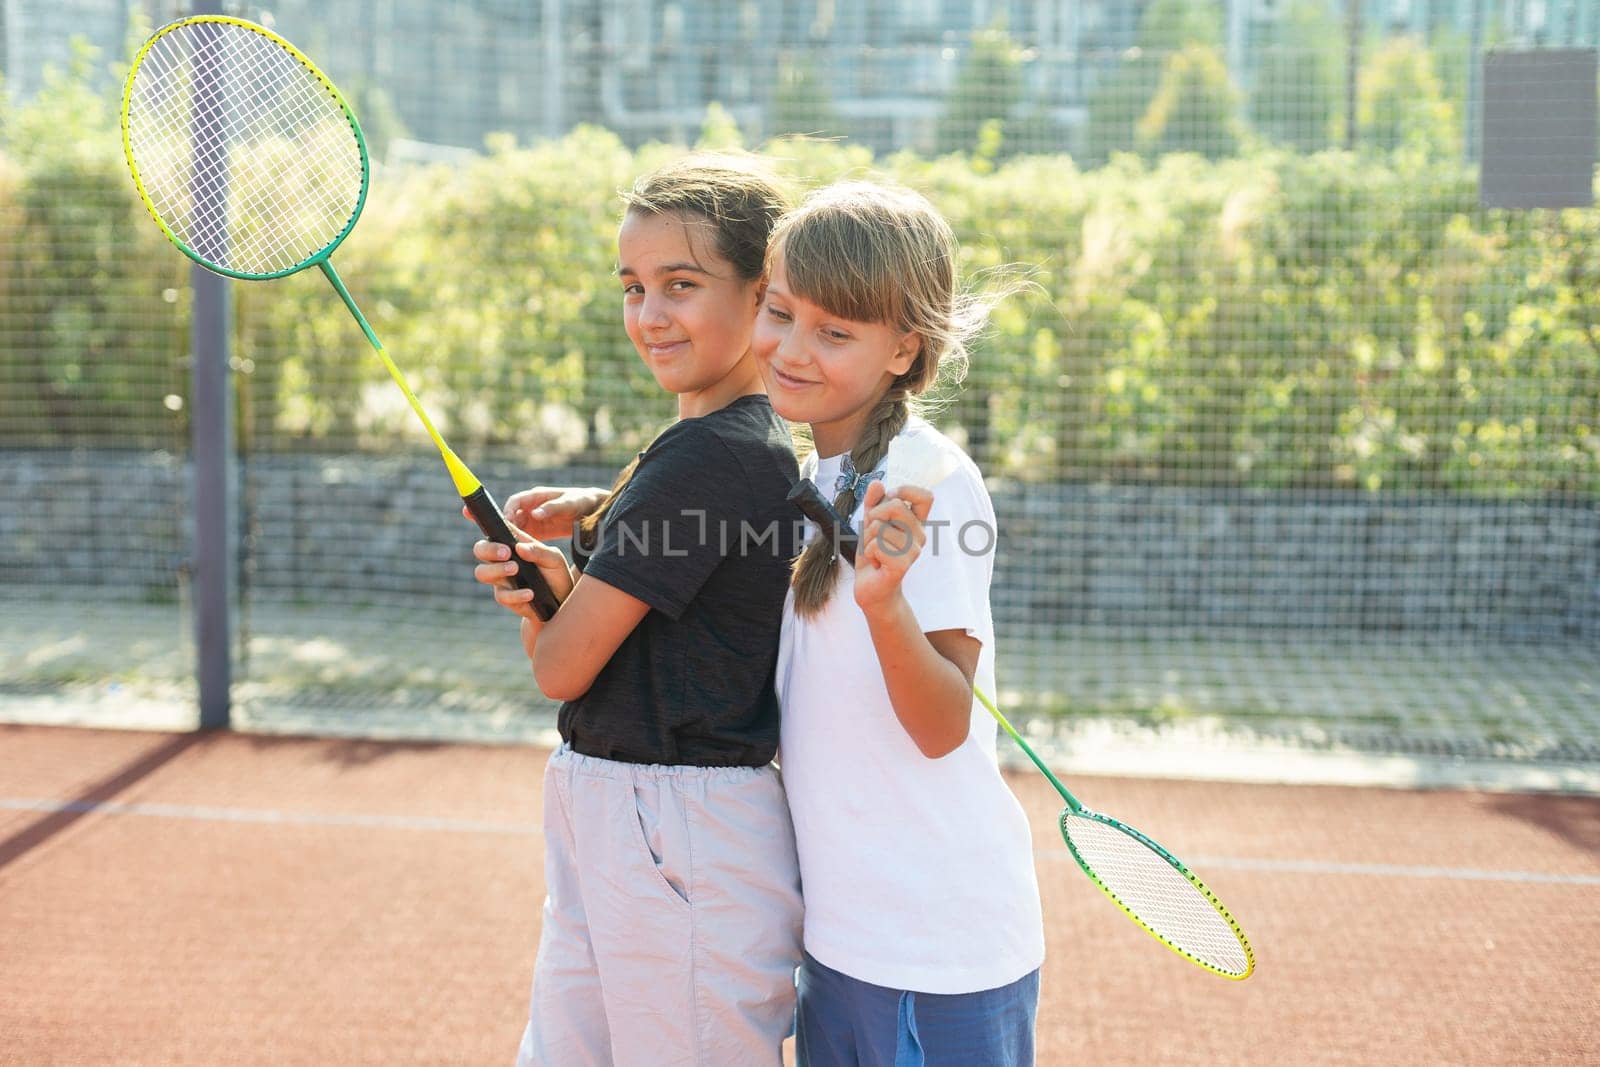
{"points": [[842, 1022]]}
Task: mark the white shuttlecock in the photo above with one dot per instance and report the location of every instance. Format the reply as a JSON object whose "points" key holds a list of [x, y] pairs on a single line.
{"points": [[918, 459]]}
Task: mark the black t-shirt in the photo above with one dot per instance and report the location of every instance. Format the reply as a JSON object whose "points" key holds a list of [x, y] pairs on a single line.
{"points": [[702, 533]]}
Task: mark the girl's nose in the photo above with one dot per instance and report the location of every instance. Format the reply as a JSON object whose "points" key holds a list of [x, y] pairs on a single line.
{"points": [[791, 351], [653, 312]]}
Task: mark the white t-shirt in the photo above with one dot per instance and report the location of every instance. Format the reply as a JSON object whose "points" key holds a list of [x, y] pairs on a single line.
{"points": [[917, 873]]}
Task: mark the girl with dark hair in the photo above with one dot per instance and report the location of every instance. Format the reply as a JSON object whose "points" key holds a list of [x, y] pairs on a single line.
{"points": [[671, 928]]}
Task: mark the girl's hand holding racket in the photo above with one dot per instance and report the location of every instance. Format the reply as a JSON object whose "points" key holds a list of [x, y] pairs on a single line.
{"points": [[892, 537], [549, 512], [496, 570]]}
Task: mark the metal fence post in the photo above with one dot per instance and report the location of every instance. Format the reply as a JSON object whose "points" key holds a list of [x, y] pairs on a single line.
{"points": [[211, 431]]}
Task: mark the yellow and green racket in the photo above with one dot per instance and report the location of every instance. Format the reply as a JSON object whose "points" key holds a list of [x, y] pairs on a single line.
{"points": [[1149, 884], [253, 164], [1152, 886]]}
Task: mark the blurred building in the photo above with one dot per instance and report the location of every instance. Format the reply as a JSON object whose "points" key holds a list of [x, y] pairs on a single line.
{"points": [[878, 71]]}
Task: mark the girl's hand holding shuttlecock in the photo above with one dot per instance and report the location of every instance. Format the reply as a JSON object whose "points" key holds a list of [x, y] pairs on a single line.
{"points": [[892, 537]]}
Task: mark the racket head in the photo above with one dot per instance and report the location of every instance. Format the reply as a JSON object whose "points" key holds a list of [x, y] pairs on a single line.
{"points": [[219, 108], [1155, 890]]}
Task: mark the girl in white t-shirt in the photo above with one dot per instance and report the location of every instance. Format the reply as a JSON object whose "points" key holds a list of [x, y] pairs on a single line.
{"points": [[922, 934]]}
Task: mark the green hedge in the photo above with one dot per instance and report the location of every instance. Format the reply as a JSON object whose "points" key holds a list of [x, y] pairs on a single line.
{"points": [[1280, 320]]}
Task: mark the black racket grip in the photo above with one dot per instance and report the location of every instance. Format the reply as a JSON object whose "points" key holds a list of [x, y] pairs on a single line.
{"points": [[809, 499], [486, 513]]}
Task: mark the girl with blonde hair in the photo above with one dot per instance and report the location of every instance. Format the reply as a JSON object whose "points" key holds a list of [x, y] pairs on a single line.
{"points": [[923, 938]]}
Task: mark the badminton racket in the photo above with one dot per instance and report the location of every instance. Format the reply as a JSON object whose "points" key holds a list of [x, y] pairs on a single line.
{"points": [[254, 166], [1149, 884]]}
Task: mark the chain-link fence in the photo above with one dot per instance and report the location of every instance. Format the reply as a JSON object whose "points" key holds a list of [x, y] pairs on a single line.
{"points": [[1296, 437]]}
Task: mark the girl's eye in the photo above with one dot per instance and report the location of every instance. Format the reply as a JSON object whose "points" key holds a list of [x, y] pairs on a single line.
{"points": [[632, 289], [781, 316], [837, 335], [681, 285]]}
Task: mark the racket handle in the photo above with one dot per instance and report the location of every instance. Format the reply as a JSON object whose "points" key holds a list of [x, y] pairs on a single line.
{"points": [[486, 513], [814, 506]]}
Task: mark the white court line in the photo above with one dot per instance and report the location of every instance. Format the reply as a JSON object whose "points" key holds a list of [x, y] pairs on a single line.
{"points": [[485, 826], [1388, 870]]}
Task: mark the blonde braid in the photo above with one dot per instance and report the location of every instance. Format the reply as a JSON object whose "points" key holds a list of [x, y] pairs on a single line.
{"points": [[878, 254], [816, 568]]}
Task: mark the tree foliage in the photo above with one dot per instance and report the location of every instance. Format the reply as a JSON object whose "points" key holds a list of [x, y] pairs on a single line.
{"points": [[1195, 107], [1299, 79], [1170, 92], [1402, 102], [91, 324], [1277, 319], [802, 102], [987, 90]]}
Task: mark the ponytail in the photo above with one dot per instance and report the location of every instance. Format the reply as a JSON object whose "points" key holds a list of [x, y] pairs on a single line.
{"points": [[588, 538]]}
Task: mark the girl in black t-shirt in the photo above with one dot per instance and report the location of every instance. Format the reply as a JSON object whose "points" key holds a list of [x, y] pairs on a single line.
{"points": [[671, 929]]}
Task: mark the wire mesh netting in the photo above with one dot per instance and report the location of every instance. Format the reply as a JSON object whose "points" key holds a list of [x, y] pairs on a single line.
{"points": [[1297, 439]]}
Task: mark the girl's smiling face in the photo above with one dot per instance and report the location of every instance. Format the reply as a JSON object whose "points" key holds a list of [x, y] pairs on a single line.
{"points": [[824, 369], [685, 308]]}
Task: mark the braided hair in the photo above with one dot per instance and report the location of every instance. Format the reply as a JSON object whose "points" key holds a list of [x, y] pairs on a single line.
{"points": [[876, 253]]}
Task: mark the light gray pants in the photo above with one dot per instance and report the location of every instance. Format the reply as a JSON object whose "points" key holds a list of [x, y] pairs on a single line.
{"points": [[671, 931]]}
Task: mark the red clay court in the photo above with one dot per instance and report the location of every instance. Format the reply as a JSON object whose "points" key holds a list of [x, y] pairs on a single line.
{"points": [[209, 899]]}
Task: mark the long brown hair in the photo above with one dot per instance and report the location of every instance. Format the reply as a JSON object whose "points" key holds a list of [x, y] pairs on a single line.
{"points": [[883, 254], [739, 201]]}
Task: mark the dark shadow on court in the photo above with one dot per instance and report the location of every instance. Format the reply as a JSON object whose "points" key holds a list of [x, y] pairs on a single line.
{"points": [[1574, 820], [351, 752], [43, 829]]}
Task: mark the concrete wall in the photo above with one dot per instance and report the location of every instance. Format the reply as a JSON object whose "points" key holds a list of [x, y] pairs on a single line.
{"points": [[387, 530]]}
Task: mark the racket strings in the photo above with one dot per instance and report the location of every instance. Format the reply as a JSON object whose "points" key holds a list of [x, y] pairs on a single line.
{"points": [[280, 147], [1156, 892], [248, 57]]}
